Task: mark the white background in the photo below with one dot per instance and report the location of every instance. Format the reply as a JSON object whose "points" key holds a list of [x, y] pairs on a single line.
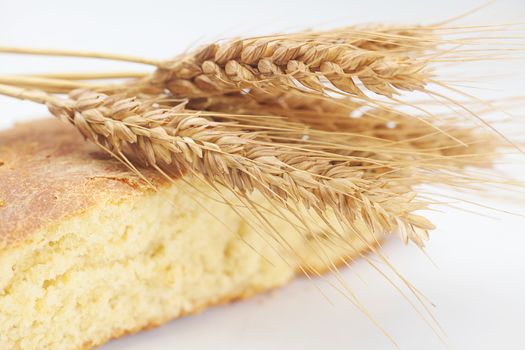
{"points": [[478, 280]]}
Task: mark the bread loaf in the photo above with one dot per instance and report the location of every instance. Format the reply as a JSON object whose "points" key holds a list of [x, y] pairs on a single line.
{"points": [[90, 252]]}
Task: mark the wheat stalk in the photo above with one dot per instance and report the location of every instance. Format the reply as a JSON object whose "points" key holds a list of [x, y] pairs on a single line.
{"points": [[318, 162], [241, 159], [384, 60], [275, 64], [379, 57]]}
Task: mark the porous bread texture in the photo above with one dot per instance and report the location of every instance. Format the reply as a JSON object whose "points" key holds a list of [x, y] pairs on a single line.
{"points": [[126, 265]]}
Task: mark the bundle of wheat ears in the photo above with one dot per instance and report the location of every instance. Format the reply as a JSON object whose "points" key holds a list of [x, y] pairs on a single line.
{"points": [[316, 122]]}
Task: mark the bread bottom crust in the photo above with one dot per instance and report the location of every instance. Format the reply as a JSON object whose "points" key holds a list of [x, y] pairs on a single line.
{"points": [[225, 300], [199, 309]]}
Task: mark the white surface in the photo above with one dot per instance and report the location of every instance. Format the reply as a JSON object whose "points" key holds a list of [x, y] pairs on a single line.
{"points": [[478, 285]]}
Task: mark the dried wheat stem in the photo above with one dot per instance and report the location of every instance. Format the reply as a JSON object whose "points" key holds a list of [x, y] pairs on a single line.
{"points": [[36, 96], [91, 75], [46, 84], [78, 53]]}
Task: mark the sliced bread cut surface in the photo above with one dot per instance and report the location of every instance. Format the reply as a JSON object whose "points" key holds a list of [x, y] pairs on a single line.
{"points": [[89, 252]]}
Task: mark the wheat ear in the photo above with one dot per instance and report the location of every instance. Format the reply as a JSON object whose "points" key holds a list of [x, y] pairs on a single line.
{"points": [[276, 64], [241, 160], [379, 57], [349, 122]]}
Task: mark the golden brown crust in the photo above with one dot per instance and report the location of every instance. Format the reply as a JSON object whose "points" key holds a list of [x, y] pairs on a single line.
{"points": [[49, 172]]}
